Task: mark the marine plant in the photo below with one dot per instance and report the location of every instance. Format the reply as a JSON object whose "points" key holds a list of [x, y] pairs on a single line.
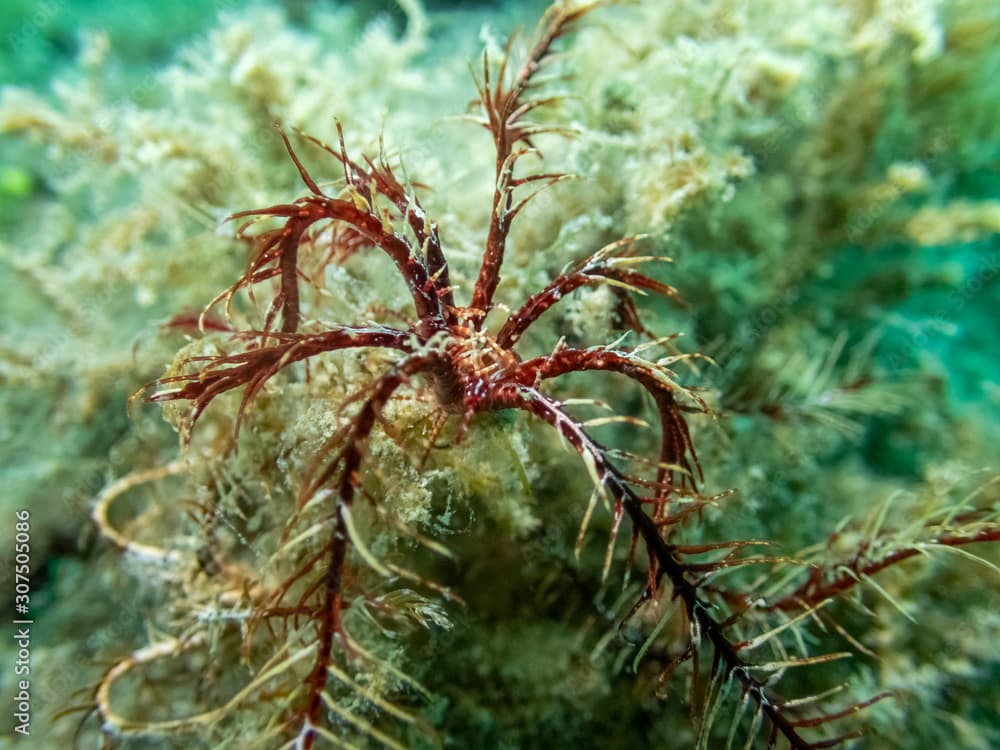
{"points": [[308, 667]]}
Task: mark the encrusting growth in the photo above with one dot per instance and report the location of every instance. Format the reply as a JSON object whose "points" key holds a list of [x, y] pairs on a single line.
{"points": [[448, 349]]}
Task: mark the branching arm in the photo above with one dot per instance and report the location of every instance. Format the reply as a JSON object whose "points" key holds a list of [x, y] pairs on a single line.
{"points": [[606, 266], [666, 561], [677, 448], [505, 107], [277, 250], [344, 472], [254, 367]]}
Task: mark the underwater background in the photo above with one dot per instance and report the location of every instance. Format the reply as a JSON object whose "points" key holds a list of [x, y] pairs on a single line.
{"points": [[825, 177]]}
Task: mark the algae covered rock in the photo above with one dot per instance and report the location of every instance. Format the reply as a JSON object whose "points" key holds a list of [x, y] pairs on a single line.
{"points": [[310, 544]]}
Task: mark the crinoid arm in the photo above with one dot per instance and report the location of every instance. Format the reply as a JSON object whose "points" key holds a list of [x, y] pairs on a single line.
{"points": [[612, 265], [947, 529], [676, 447], [671, 567], [373, 199], [506, 101], [342, 472], [375, 177], [254, 366]]}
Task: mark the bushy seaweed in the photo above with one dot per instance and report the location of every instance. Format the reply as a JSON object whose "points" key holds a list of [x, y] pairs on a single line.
{"points": [[312, 678]]}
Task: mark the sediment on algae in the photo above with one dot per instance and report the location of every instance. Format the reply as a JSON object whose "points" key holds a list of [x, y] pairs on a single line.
{"points": [[822, 175]]}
